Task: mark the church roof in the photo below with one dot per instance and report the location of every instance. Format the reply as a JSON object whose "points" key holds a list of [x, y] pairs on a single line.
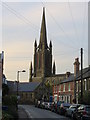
{"points": [[28, 87], [23, 86]]}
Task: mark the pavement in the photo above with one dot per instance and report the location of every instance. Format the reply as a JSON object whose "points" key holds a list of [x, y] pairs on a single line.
{"points": [[22, 114]]}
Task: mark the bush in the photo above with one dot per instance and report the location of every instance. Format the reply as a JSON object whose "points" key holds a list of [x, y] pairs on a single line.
{"points": [[6, 116], [11, 102], [5, 89]]}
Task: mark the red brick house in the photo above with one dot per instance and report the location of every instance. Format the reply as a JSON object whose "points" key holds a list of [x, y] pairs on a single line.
{"points": [[65, 90]]}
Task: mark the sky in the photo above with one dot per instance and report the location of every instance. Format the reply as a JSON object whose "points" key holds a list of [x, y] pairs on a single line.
{"points": [[67, 28]]}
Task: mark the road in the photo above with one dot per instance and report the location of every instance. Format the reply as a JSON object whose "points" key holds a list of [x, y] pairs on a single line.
{"points": [[34, 112]]}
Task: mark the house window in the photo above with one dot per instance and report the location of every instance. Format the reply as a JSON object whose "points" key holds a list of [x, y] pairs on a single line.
{"points": [[69, 99], [77, 98], [56, 88], [31, 95], [85, 84], [55, 98], [26, 95], [80, 86], [69, 89], [63, 98], [89, 84], [64, 87], [21, 95], [59, 88], [77, 86]]}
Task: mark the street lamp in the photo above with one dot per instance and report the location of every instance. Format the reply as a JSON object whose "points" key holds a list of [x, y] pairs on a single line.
{"points": [[17, 84]]}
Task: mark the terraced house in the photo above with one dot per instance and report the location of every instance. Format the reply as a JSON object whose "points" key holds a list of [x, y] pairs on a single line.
{"points": [[66, 90]]}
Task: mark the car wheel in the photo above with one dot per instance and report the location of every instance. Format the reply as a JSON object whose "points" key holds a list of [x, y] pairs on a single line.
{"points": [[72, 116], [66, 114], [81, 118]]}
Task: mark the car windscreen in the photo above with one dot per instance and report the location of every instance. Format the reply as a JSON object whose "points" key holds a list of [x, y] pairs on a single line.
{"points": [[72, 107]]}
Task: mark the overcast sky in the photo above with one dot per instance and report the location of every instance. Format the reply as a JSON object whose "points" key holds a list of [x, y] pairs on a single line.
{"points": [[67, 28]]}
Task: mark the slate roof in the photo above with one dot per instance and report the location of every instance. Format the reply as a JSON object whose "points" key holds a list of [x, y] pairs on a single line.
{"points": [[86, 74], [28, 87], [23, 86]]}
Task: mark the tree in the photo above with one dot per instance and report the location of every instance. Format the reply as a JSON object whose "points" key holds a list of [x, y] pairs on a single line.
{"points": [[86, 98], [5, 89]]}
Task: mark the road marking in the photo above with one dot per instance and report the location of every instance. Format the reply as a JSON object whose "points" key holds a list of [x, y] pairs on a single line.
{"points": [[29, 114]]}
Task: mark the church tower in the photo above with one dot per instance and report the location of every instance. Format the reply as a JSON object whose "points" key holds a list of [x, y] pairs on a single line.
{"points": [[43, 53]]}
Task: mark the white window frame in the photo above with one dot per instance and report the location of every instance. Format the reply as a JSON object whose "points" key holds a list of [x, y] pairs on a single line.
{"points": [[59, 88], [77, 86], [64, 87], [69, 87], [85, 84], [80, 86]]}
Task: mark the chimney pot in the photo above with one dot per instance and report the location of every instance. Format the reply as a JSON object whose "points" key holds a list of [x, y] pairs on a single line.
{"points": [[76, 66], [67, 74]]}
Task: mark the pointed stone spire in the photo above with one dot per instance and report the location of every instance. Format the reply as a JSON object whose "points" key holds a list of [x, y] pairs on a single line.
{"points": [[54, 68], [35, 44], [50, 45], [30, 77], [43, 34]]}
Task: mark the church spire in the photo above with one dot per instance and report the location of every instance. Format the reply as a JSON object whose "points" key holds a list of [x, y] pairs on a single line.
{"points": [[54, 68], [30, 77], [43, 34]]}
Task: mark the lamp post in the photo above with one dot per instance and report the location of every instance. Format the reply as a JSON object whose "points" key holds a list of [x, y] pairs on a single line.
{"points": [[17, 84]]}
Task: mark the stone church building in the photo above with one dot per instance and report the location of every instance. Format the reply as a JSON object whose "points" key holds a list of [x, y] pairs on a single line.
{"points": [[42, 55], [42, 70]]}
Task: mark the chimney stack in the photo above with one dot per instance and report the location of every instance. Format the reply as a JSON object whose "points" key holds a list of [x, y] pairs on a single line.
{"points": [[76, 66], [67, 74]]}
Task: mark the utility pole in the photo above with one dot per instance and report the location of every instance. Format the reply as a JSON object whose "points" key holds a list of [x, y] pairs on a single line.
{"points": [[81, 74]]}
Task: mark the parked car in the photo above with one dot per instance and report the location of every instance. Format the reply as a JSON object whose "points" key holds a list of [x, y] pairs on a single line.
{"points": [[46, 105], [53, 107], [70, 111], [42, 105], [38, 103], [58, 105], [63, 108], [49, 105], [82, 113]]}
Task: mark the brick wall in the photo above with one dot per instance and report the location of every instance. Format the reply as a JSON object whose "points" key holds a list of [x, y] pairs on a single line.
{"points": [[62, 92]]}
